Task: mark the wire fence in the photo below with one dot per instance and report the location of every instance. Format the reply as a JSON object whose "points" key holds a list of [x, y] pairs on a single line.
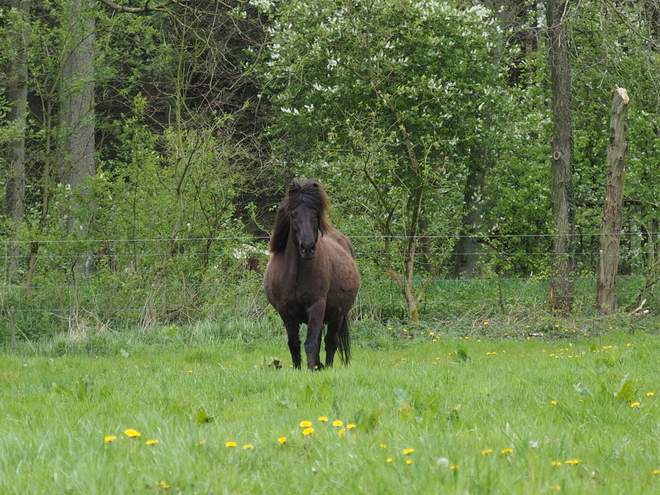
{"points": [[86, 285]]}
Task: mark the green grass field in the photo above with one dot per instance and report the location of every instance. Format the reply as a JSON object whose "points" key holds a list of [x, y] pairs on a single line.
{"points": [[481, 411]]}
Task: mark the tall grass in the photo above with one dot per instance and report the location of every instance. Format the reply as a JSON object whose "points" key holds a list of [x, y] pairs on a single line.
{"points": [[98, 303], [487, 407]]}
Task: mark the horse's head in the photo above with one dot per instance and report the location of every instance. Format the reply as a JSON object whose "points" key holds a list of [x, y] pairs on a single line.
{"points": [[306, 205], [305, 227]]}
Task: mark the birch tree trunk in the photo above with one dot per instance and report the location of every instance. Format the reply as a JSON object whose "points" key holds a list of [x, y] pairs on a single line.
{"points": [[562, 194], [610, 233]]}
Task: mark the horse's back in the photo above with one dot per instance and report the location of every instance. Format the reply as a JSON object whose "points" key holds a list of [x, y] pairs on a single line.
{"points": [[342, 240]]}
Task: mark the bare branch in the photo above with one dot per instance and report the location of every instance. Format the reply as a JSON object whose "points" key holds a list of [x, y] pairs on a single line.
{"points": [[137, 10]]}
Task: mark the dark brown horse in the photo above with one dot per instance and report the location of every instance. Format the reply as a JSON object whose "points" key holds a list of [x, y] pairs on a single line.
{"points": [[312, 277]]}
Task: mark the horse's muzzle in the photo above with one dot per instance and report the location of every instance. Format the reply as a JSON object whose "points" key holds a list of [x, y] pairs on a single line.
{"points": [[307, 252]]}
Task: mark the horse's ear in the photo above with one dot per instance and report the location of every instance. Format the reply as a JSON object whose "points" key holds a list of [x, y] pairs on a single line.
{"points": [[294, 187]]}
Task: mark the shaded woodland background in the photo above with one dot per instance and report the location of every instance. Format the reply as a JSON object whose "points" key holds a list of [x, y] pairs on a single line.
{"points": [[145, 145]]}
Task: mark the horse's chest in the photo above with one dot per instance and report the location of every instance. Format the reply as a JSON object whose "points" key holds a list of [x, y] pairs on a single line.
{"points": [[294, 290]]}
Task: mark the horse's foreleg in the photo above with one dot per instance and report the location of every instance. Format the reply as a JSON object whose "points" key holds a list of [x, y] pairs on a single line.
{"points": [[315, 314], [332, 341], [292, 331]]}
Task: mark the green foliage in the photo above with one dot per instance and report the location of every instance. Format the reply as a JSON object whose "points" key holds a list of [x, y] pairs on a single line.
{"points": [[367, 71], [385, 94], [394, 105], [626, 391], [165, 206], [612, 55]]}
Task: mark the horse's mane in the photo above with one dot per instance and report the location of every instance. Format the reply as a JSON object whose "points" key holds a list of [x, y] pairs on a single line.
{"points": [[311, 194]]}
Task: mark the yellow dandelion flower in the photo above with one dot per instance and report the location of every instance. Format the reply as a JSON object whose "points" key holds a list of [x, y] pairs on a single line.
{"points": [[389, 459], [656, 471], [110, 438], [634, 404], [408, 451], [485, 323], [506, 451], [453, 466], [308, 431], [338, 423], [247, 446], [152, 442], [305, 424], [132, 433], [383, 446], [350, 426], [282, 440], [573, 462], [341, 432], [231, 444], [487, 451], [409, 461], [650, 394], [323, 419], [556, 463], [553, 402], [163, 485]]}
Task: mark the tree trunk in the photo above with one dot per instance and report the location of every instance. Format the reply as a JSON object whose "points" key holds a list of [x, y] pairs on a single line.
{"points": [[77, 104], [465, 253], [562, 194], [610, 233], [17, 91]]}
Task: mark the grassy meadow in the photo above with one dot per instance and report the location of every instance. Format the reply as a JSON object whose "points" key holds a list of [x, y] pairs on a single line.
{"points": [[487, 408]]}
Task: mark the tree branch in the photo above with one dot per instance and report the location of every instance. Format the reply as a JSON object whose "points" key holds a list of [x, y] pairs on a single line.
{"points": [[137, 10]]}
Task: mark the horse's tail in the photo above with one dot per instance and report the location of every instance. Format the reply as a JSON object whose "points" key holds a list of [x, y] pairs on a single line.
{"points": [[344, 345]]}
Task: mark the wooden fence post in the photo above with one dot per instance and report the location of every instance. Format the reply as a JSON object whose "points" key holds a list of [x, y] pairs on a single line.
{"points": [[610, 232]]}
